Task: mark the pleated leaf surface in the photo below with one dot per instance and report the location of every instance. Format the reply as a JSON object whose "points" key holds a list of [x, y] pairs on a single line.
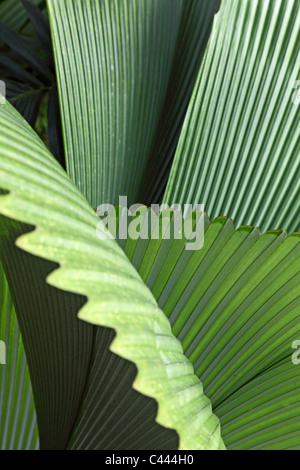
{"points": [[238, 153]]}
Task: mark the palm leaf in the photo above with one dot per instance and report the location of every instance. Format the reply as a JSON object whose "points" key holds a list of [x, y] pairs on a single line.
{"points": [[117, 72], [238, 150], [234, 305], [264, 414], [124, 70], [44, 314], [40, 194]]}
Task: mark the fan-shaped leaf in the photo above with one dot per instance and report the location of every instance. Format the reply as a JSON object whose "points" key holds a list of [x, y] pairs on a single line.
{"points": [[234, 304]]}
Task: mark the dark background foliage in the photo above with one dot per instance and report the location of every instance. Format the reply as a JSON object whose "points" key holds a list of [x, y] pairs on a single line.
{"points": [[27, 66]]}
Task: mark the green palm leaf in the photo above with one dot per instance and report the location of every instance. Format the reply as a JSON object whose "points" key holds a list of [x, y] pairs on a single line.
{"points": [[264, 414], [234, 305], [65, 223], [238, 150], [169, 321], [132, 76], [119, 77]]}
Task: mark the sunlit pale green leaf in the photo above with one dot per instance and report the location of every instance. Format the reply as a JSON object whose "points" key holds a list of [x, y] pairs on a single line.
{"points": [[40, 194]]}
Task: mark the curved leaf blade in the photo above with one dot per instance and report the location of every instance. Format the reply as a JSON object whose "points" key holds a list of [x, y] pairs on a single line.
{"points": [[112, 87], [41, 194]]}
